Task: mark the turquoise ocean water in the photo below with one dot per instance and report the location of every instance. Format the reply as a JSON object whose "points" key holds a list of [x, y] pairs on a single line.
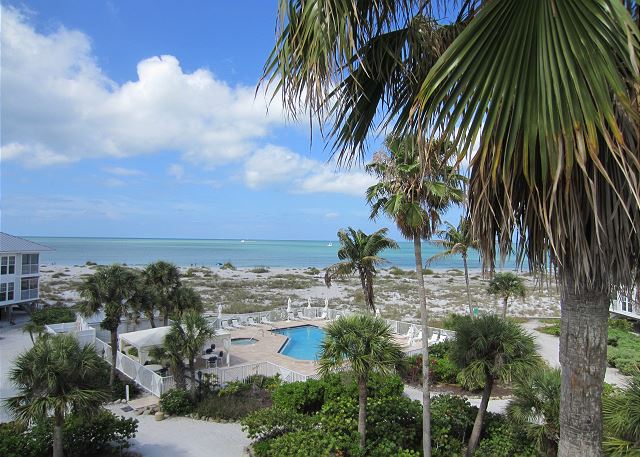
{"points": [[242, 253]]}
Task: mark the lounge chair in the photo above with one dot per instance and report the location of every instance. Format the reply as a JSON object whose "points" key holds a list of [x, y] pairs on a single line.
{"points": [[435, 338], [416, 339], [265, 320], [410, 333], [225, 325], [322, 316], [293, 317], [252, 322], [236, 323]]}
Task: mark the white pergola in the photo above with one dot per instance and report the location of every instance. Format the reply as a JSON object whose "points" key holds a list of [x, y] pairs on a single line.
{"points": [[144, 340]]}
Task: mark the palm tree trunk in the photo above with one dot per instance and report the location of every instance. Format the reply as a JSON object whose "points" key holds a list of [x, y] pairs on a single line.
{"points": [[426, 398], [114, 355], [477, 425], [192, 373], [58, 421], [365, 290], [583, 357], [362, 412], [504, 307], [178, 375], [369, 283], [165, 318], [466, 280], [152, 319]]}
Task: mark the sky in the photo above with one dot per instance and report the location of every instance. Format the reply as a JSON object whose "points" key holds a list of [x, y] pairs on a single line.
{"points": [[141, 119]]}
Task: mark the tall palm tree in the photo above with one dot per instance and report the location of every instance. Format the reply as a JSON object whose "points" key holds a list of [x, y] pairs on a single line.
{"points": [[457, 240], [33, 328], [359, 254], [189, 335], [164, 278], [54, 377], [555, 113], [109, 290], [506, 285], [364, 343], [536, 407], [558, 163], [621, 411], [414, 196], [489, 349]]}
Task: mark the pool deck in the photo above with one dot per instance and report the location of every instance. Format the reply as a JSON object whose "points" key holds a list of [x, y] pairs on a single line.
{"points": [[269, 343]]}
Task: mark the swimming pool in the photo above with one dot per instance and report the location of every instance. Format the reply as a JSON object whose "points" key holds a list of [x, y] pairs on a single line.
{"points": [[243, 341], [303, 342]]}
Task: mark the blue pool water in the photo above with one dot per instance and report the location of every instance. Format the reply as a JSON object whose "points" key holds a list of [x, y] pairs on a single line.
{"points": [[303, 343]]}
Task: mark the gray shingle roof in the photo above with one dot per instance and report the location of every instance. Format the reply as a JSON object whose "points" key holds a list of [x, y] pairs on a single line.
{"points": [[10, 243]]}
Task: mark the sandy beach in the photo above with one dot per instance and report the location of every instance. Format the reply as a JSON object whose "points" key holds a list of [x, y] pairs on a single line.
{"points": [[250, 289]]}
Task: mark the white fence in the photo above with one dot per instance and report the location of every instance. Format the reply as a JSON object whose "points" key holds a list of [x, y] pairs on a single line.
{"points": [[149, 380], [243, 372]]}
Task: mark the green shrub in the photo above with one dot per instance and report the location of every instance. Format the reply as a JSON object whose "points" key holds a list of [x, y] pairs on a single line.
{"points": [[553, 329], [302, 397], [452, 320], [502, 439], [452, 419], [427, 271], [233, 406], [53, 315], [101, 434], [621, 324], [133, 352], [118, 390], [623, 351], [395, 271], [228, 266], [176, 402], [312, 271], [259, 270], [442, 370]]}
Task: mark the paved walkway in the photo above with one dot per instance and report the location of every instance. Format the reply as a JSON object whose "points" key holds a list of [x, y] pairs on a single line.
{"points": [[12, 342], [185, 437]]}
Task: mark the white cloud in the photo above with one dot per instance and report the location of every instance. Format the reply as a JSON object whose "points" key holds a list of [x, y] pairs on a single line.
{"points": [[277, 165], [58, 105], [122, 171], [176, 170], [114, 182], [331, 215]]}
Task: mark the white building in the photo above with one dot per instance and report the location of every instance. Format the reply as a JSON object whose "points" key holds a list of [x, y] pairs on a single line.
{"points": [[19, 272], [627, 305]]}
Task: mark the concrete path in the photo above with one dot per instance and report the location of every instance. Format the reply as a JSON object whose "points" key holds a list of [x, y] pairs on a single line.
{"points": [[185, 437], [12, 343], [549, 349]]}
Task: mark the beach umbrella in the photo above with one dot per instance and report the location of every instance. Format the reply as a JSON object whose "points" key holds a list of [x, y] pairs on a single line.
{"points": [[219, 310], [308, 302], [289, 305], [326, 304], [378, 312]]}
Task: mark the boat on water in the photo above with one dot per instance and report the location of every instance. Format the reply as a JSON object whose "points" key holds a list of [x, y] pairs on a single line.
{"points": [[330, 245]]}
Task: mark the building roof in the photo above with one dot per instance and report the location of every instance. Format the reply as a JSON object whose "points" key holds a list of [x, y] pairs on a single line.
{"points": [[10, 243]]}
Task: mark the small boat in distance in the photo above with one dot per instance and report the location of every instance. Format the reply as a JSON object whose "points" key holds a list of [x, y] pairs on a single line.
{"points": [[330, 245], [242, 241]]}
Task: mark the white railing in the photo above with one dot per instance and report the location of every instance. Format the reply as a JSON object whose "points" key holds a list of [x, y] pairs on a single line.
{"points": [[240, 373], [149, 380]]}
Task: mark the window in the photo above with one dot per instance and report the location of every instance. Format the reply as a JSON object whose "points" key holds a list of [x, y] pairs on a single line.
{"points": [[8, 265], [29, 288], [29, 264], [6, 291]]}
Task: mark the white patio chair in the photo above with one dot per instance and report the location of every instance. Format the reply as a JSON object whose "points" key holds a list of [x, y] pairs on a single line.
{"points": [[236, 323]]}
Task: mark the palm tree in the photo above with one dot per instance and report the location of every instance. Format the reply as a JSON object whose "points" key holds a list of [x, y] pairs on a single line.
{"points": [[33, 327], [364, 343], [164, 278], [415, 196], [189, 335], [109, 290], [489, 349], [359, 254], [555, 114], [506, 285], [170, 354], [457, 240], [621, 411], [54, 377], [536, 407], [184, 298]]}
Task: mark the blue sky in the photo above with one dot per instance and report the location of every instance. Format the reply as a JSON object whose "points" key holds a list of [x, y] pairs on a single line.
{"points": [[138, 119]]}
